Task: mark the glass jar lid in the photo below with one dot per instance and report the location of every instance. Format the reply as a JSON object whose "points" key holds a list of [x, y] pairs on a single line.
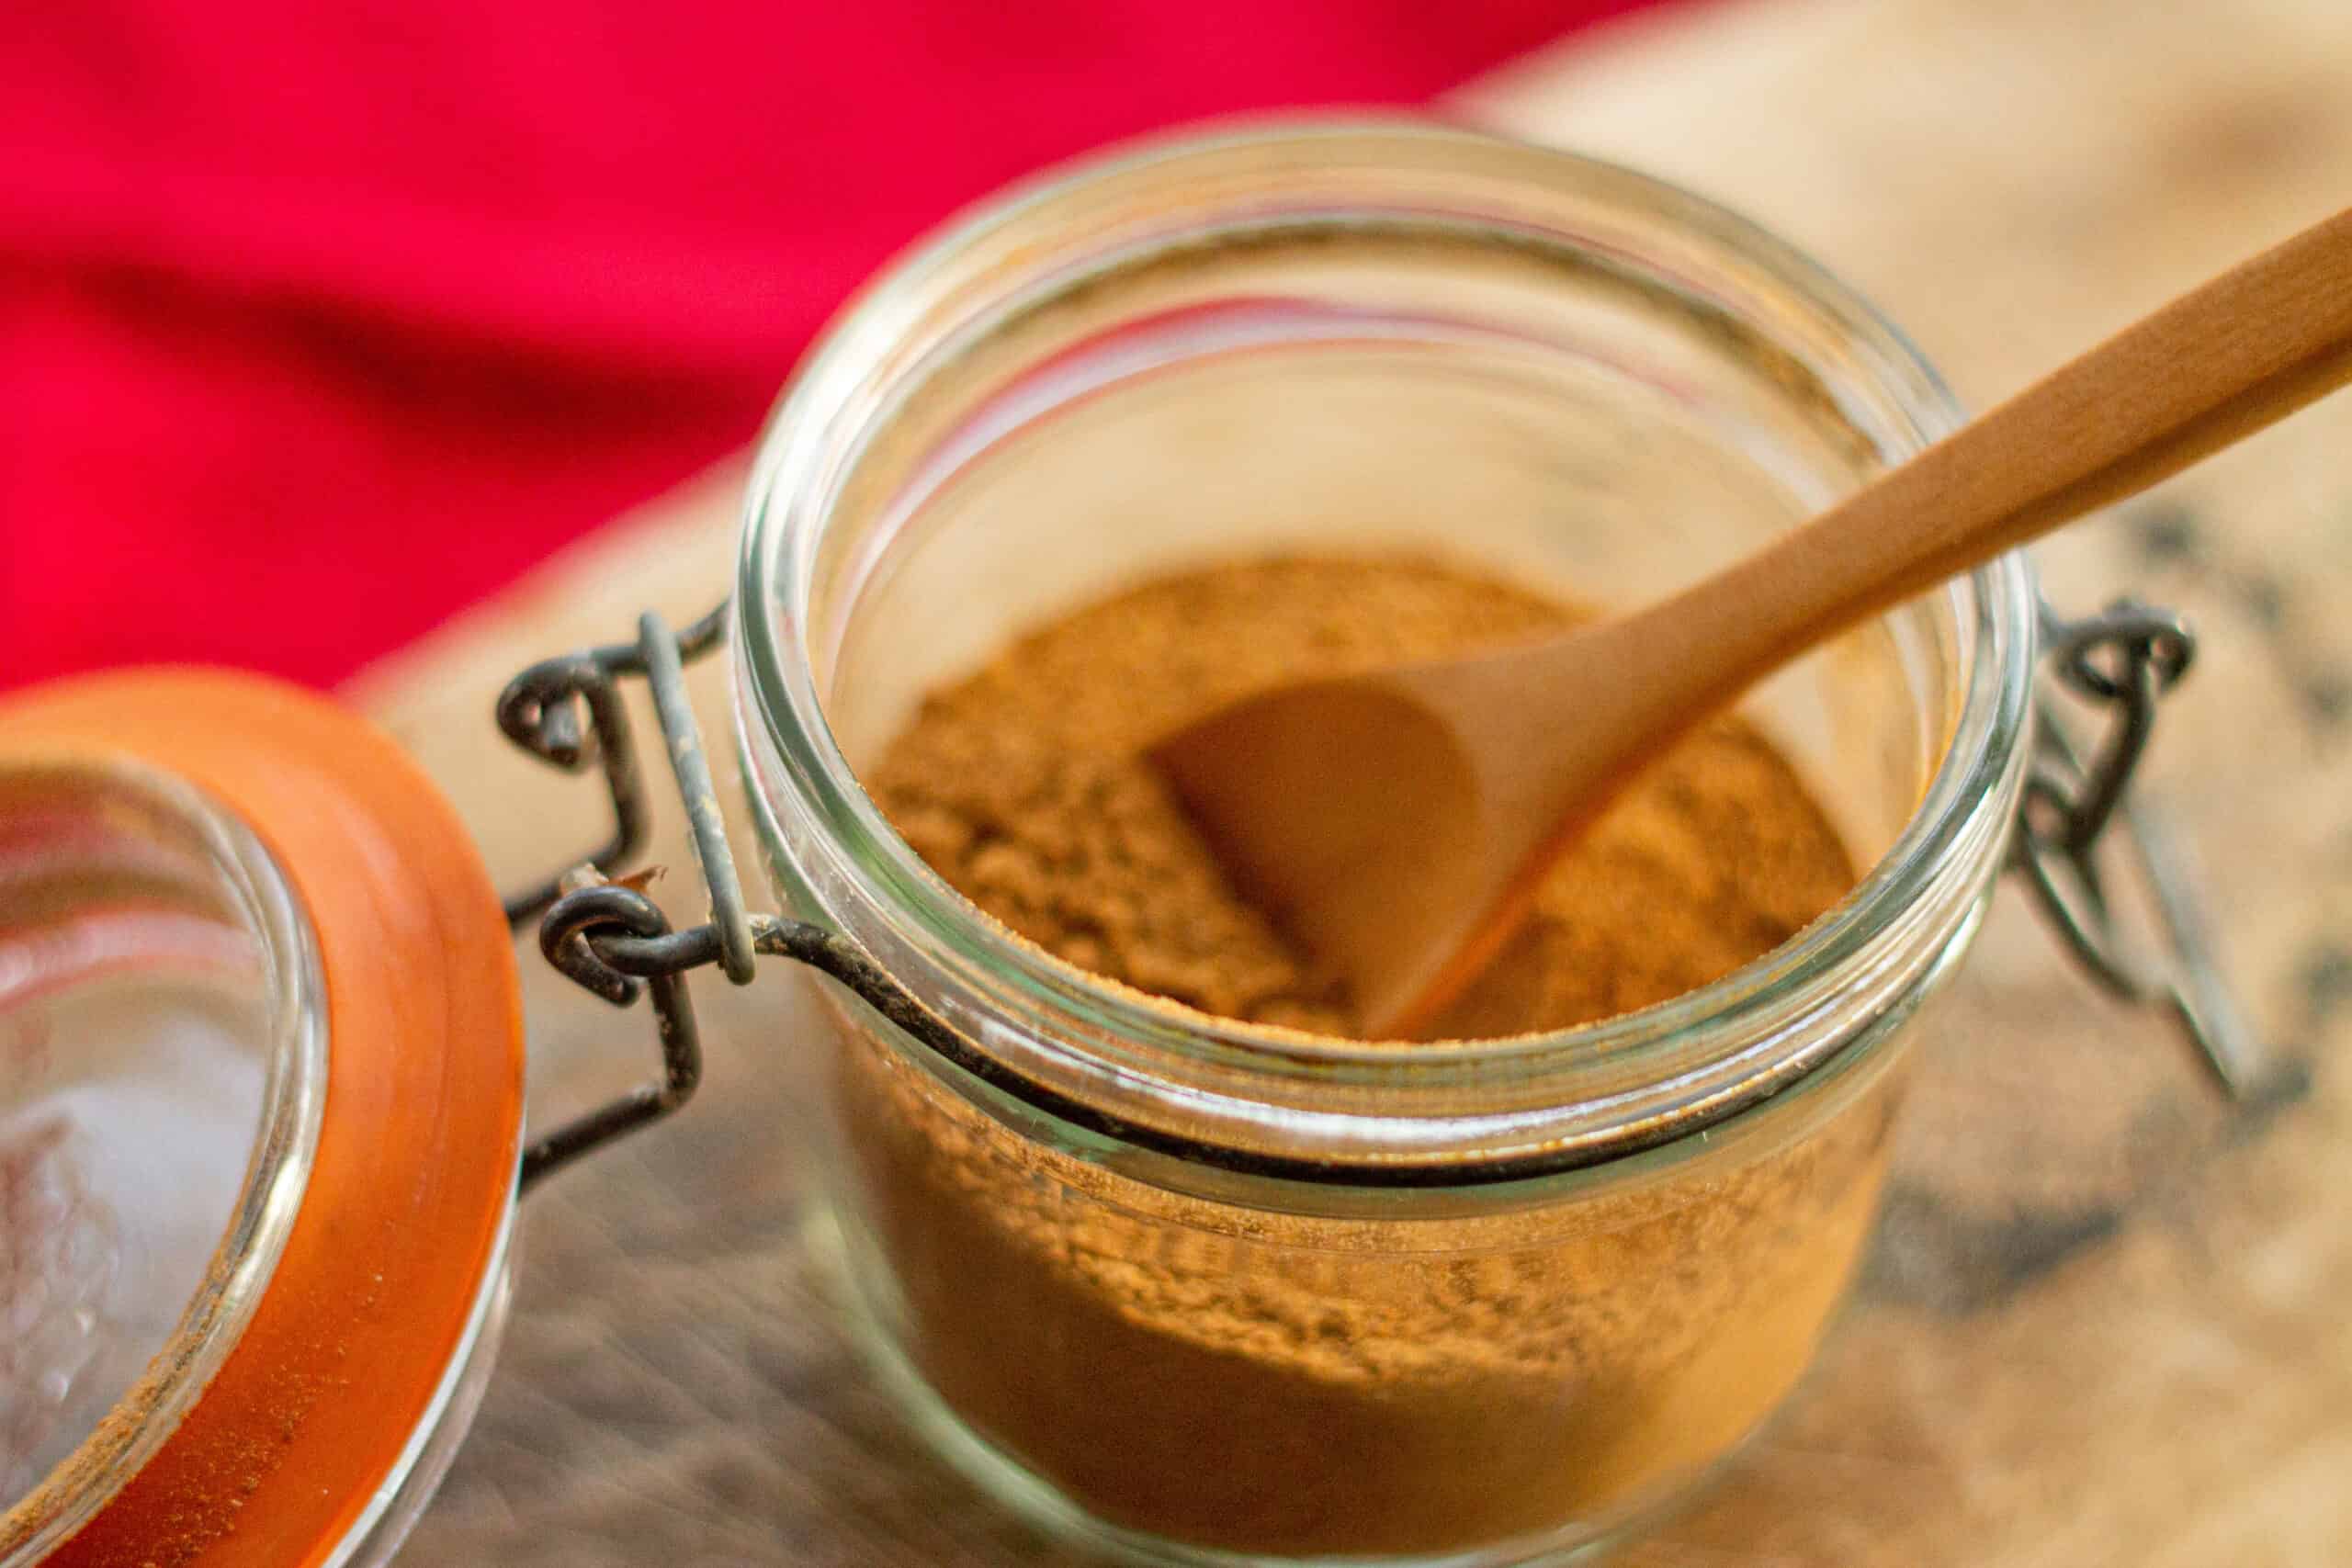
{"points": [[260, 1117]]}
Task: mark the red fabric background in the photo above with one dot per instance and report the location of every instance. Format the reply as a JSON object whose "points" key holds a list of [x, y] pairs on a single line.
{"points": [[319, 322]]}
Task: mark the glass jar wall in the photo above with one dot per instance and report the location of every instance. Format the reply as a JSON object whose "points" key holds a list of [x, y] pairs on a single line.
{"points": [[1262, 1294]]}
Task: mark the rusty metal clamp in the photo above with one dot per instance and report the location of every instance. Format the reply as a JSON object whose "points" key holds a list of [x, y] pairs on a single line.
{"points": [[2123, 660], [567, 712], [612, 939]]}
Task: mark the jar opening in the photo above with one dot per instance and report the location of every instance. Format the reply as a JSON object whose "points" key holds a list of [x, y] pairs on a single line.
{"points": [[1123, 277], [162, 1078]]}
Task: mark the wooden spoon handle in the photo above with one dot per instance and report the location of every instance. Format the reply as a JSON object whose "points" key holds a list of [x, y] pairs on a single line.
{"points": [[2247, 348]]}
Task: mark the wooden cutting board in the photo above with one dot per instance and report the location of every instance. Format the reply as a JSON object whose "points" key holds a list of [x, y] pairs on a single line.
{"points": [[2106, 1321]]}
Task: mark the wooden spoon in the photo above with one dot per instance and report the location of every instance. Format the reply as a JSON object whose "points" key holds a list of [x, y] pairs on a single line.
{"points": [[1397, 822]]}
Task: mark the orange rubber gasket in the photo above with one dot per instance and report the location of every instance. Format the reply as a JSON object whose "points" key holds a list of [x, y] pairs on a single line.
{"points": [[418, 1141]]}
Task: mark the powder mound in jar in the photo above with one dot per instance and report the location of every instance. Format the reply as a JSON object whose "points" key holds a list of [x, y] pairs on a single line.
{"points": [[1343, 1378], [1025, 787]]}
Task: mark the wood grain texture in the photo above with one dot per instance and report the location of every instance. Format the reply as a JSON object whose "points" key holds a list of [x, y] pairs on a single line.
{"points": [[2104, 1324]]}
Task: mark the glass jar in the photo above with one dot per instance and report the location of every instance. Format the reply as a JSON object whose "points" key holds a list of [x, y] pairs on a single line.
{"points": [[1198, 1291], [1203, 1291]]}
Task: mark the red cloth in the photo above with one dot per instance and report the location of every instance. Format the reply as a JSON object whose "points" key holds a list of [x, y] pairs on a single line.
{"points": [[319, 322]]}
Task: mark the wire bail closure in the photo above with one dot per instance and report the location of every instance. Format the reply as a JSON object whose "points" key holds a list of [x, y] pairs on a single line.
{"points": [[606, 936], [2124, 658], [612, 939]]}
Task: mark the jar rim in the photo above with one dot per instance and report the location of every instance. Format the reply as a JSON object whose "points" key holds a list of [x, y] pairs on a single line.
{"points": [[1950, 845]]}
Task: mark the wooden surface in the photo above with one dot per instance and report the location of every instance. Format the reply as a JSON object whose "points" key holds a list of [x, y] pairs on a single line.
{"points": [[2106, 1322]]}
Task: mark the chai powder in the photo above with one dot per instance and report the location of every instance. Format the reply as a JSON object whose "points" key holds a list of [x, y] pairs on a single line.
{"points": [[1025, 787], [1275, 1372]]}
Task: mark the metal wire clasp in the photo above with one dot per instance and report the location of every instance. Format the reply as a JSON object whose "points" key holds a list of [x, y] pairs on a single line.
{"points": [[2122, 660], [608, 936], [612, 939]]}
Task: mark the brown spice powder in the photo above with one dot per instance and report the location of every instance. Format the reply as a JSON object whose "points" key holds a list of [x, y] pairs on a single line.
{"points": [[1025, 787], [1238, 1374]]}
